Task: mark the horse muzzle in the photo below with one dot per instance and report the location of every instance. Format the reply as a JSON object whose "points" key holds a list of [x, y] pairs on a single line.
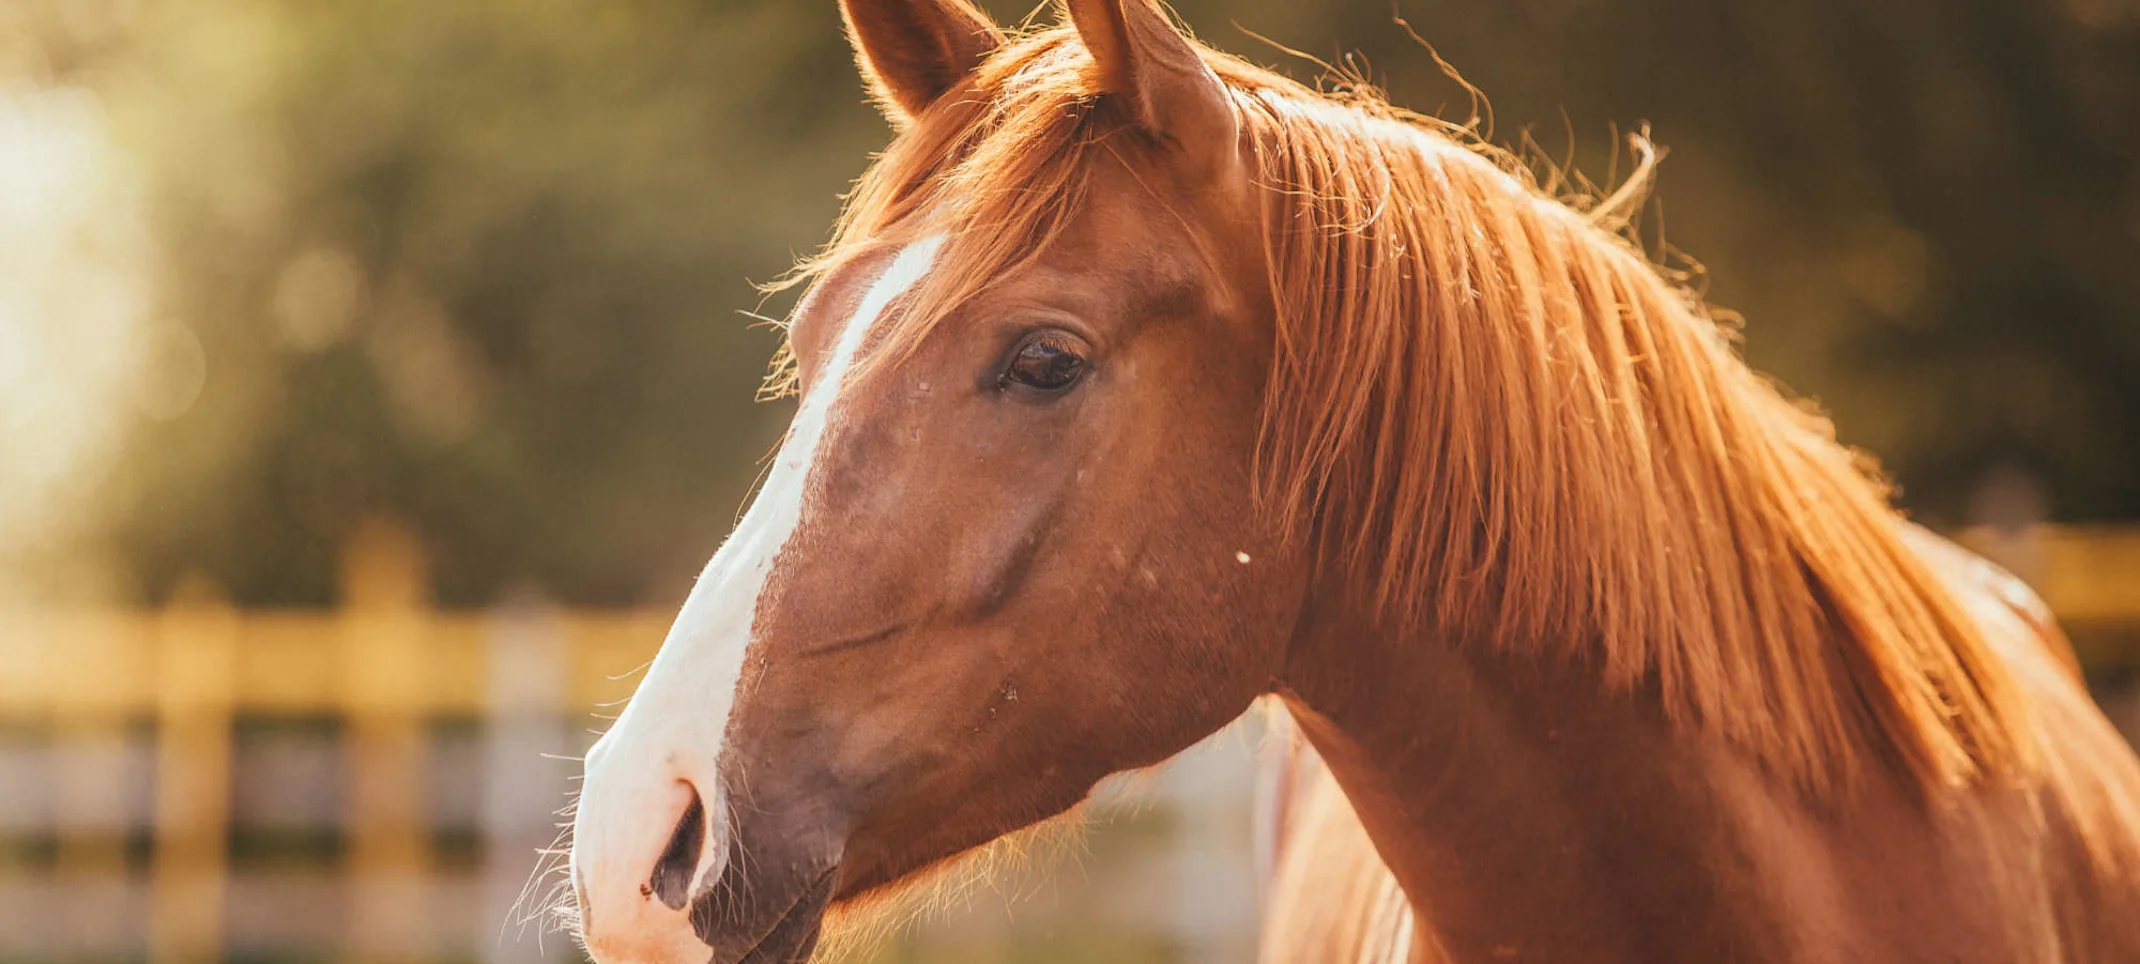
{"points": [[746, 916], [677, 870], [753, 915]]}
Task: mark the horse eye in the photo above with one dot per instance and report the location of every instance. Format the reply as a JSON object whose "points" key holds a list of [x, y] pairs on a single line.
{"points": [[1045, 363]]}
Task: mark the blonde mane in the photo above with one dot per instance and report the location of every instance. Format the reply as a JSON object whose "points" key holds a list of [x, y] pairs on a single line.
{"points": [[1507, 424]]}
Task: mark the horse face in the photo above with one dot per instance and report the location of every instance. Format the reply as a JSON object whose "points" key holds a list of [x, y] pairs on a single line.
{"points": [[1013, 556], [981, 576]]}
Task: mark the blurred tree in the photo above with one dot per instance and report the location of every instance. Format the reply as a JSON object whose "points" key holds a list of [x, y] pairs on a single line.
{"points": [[1929, 212], [476, 264]]}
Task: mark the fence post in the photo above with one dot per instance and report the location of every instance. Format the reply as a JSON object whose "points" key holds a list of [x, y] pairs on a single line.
{"points": [[384, 622], [197, 639], [525, 776], [99, 688]]}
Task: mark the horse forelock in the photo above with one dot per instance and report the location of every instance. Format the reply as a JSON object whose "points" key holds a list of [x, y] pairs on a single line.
{"points": [[1505, 422]]}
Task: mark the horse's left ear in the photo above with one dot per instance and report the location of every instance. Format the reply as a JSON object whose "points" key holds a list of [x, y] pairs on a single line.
{"points": [[914, 51], [1156, 71]]}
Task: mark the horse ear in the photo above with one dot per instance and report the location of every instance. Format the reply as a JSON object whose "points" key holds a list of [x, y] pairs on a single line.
{"points": [[914, 51], [1155, 68]]}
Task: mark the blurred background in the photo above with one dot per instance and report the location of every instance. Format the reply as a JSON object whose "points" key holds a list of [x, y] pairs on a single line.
{"points": [[376, 375]]}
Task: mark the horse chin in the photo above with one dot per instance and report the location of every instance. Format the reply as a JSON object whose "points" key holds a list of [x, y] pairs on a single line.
{"points": [[749, 921]]}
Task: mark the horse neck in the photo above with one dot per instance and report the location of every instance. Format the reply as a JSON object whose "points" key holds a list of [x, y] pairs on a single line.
{"points": [[1515, 799]]}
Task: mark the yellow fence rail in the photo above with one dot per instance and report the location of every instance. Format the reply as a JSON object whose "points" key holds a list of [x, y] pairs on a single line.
{"points": [[387, 664]]}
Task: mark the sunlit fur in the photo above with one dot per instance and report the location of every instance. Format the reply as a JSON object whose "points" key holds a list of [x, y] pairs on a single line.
{"points": [[1012, 866], [1506, 423], [1328, 896], [1009, 865]]}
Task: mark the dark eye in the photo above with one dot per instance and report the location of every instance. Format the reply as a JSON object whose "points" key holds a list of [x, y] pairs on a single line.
{"points": [[1046, 363]]}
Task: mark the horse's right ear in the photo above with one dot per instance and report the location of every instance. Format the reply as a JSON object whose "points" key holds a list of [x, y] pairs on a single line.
{"points": [[1156, 71], [914, 51]]}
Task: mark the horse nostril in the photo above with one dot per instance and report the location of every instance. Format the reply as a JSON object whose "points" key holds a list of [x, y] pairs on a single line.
{"points": [[671, 881]]}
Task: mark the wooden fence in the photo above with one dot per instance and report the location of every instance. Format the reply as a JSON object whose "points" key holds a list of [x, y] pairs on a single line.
{"points": [[386, 665]]}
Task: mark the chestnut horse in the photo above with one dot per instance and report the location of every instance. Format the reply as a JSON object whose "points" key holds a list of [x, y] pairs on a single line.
{"points": [[1139, 383]]}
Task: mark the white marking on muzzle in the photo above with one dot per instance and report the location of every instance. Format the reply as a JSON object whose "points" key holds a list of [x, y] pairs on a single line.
{"points": [[639, 775]]}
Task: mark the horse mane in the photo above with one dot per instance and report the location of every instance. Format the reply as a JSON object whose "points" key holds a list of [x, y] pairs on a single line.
{"points": [[1506, 422]]}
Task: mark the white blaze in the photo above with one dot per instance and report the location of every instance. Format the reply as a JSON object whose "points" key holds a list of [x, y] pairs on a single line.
{"points": [[671, 731]]}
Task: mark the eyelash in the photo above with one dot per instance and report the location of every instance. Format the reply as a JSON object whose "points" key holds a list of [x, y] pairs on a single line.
{"points": [[1063, 360]]}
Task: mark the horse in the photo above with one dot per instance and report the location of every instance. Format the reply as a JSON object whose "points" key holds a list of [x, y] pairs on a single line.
{"points": [[1139, 384]]}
